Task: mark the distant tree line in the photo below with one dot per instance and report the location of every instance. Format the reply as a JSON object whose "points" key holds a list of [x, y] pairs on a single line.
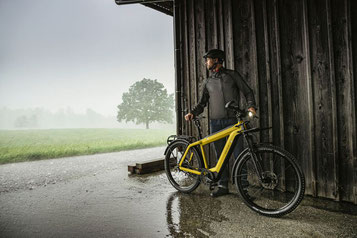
{"points": [[42, 118]]}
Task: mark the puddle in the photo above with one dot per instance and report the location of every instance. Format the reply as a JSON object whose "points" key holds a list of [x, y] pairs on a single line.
{"points": [[190, 215]]}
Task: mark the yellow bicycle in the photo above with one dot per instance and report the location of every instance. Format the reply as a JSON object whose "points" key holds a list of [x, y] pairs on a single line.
{"points": [[267, 177]]}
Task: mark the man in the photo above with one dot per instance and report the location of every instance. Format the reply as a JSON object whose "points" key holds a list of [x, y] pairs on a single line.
{"points": [[218, 89]]}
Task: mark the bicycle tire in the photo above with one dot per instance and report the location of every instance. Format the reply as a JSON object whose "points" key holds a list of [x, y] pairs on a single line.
{"points": [[177, 177], [281, 187]]}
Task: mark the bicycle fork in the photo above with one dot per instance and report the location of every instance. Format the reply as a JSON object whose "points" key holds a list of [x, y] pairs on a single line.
{"points": [[257, 166]]}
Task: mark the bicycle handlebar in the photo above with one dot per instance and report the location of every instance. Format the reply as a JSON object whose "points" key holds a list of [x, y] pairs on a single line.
{"points": [[239, 113], [230, 105]]}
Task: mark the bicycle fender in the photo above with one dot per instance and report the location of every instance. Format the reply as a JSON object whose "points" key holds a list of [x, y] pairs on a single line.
{"points": [[235, 165], [180, 139]]}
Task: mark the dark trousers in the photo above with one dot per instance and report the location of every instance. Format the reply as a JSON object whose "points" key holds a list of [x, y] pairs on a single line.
{"points": [[217, 125]]}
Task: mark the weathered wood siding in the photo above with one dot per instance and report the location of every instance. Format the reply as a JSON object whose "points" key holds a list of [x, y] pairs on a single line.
{"points": [[300, 58]]}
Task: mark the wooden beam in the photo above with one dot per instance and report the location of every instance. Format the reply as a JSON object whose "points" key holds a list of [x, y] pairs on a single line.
{"points": [[149, 166]]}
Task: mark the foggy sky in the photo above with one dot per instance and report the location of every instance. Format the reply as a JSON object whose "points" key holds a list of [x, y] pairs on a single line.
{"points": [[80, 53]]}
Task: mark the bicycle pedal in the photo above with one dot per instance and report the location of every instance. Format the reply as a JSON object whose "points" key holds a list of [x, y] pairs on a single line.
{"points": [[212, 186]]}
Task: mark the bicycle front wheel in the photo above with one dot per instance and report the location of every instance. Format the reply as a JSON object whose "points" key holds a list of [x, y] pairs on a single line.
{"points": [[181, 180], [282, 186]]}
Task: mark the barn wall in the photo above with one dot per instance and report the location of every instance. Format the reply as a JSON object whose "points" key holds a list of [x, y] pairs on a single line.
{"points": [[300, 58]]}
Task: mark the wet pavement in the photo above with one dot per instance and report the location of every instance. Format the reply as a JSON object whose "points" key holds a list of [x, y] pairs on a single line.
{"points": [[93, 196]]}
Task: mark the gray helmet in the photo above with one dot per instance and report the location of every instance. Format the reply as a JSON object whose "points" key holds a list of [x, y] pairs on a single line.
{"points": [[215, 54]]}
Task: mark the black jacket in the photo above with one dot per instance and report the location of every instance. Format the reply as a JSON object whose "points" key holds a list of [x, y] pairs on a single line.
{"points": [[220, 88]]}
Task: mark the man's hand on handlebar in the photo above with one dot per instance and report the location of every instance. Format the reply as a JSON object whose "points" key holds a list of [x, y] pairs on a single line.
{"points": [[189, 116], [252, 110]]}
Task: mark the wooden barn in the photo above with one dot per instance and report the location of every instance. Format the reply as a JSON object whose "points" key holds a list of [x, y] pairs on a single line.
{"points": [[299, 57]]}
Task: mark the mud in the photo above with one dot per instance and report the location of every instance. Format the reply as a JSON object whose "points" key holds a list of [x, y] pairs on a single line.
{"points": [[93, 196]]}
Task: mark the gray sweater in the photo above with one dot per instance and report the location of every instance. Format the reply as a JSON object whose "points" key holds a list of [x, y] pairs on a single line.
{"points": [[220, 88]]}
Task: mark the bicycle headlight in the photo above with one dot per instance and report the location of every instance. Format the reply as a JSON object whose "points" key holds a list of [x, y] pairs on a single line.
{"points": [[250, 114]]}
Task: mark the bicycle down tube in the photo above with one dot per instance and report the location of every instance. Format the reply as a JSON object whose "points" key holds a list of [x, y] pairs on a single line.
{"points": [[232, 132]]}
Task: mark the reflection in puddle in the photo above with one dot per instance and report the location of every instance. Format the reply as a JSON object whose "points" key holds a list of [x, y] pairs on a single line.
{"points": [[190, 215]]}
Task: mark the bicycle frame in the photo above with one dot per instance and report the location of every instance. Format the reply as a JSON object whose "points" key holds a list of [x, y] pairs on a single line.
{"points": [[232, 133], [256, 162]]}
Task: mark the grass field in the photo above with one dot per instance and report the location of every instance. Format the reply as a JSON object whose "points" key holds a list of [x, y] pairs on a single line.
{"points": [[27, 145]]}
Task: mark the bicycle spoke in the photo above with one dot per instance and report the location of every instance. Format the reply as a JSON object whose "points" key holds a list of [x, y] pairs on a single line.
{"points": [[274, 162], [284, 171], [260, 192], [241, 175]]}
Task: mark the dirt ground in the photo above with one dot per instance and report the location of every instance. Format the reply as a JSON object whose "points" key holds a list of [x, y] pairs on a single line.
{"points": [[93, 196]]}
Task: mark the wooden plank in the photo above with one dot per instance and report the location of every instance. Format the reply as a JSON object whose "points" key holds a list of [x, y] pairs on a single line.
{"points": [[239, 38], [201, 50], [211, 24], [186, 66], [200, 45], [276, 82], [252, 78], [131, 169], [296, 86], [276, 78], [324, 99], [149, 166], [262, 43], [244, 44], [275, 73], [267, 75], [192, 60], [334, 103], [228, 33], [345, 96], [220, 25], [147, 171], [263, 69], [157, 163], [353, 91], [178, 65], [353, 20], [310, 133]]}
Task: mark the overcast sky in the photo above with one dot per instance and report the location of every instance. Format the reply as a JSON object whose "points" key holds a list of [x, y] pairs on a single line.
{"points": [[80, 53]]}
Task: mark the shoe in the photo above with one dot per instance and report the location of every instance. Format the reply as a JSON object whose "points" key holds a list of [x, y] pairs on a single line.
{"points": [[220, 192]]}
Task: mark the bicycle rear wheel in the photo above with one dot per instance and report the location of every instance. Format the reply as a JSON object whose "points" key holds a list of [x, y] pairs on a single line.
{"points": [[282, 187], [181, 180]]}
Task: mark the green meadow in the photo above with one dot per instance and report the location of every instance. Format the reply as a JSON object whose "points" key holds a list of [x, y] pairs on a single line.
{"points": [[28, 145]]}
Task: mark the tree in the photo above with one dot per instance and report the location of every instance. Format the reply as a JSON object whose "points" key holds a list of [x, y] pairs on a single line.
{"points": [[26, 121], [147, 101], [21, 122]]}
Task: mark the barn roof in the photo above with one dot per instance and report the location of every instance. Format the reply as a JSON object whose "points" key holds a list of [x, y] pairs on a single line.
{"points": [[164, 6]]}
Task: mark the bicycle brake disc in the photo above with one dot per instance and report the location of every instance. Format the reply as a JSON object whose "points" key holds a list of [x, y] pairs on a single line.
{"points": [[270, 180]]}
